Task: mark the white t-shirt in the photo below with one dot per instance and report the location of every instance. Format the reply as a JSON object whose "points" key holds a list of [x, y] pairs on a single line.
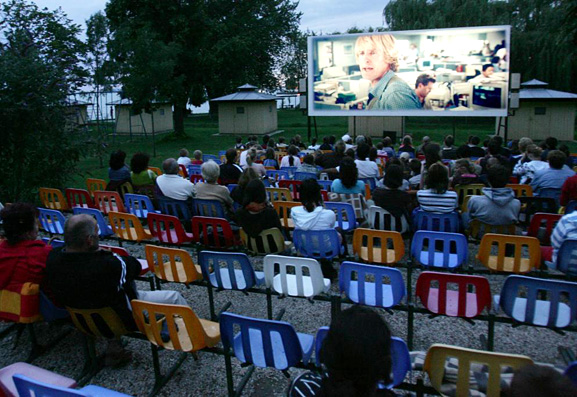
{"points": [[367, 169], [242, 159], [319, 219], [175, 187], [285, 161], [184, 161]]}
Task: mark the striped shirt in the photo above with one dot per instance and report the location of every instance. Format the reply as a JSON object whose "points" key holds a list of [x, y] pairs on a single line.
{"points": [[566, 229], [440, 203]]}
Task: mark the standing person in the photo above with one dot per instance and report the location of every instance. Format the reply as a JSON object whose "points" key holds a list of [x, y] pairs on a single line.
{"points": [[140, 174], [118, 171], [348, 181], [437, 198], [230, 171], [423, 87], [183, 158]]}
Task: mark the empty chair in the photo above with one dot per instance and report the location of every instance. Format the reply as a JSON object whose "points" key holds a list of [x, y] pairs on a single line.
{"points": [[52, 199], [207, 157], [325, 185], [168, 229], [52, 221], [378, 246], [467, 297], [371, 285], [381, 219], [195, 178], [318, 244], [290, 170], [277, 175], [139, 205], [179, 208], [210, 208], [527, 253], [535, 301], [215, 233], [79, 198], [172, 264], [301, 175], [345, 213], [128, 227], [93, 184], [566, 258], [424, 220], [286, 283], [278, 194], [521, 190], [108, 201], [229, 270], [269, 241], [439, 249], [194, 169], [103, 229], [8, 386], [542, 226]]}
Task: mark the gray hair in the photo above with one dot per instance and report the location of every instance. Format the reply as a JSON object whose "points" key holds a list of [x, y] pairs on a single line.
{"points": [[77, 229], [210, 171], [360, 139], [524, 143], [170, 166]]}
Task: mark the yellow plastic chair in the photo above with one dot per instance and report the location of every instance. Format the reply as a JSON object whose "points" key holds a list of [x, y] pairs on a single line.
{"points": [[269, 241], [283, 210], [125, 188], [52, 199], [464, 206], [93, 184], [505, 263], [128, 227], [172, 264], [474, 189], [521, 190], [365, 241], [478, 229], [281, 194], [438, 354], [156, 170]]}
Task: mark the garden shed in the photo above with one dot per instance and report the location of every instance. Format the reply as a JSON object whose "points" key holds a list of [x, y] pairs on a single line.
{"points": [[160, 120]]}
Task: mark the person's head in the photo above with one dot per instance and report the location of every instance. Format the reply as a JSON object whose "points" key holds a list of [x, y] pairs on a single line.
{"points": [[197, 155], [313, 141], [254, 192], [231, 156], [310, 194], [524, 143], [210, 171], [498, 139], [326, 140], [373, 153], [117, 160], [309, 159], [350, 153], [363, 151], [407, 140], [360, 139], [281, 139], [498, 176], [404, 157], [332, 139], [265, 139], [534, 152], [271, 143], [464, 152], [239, 139], [380, 146], [463, 166], [393, 177], [415, 166], [449, 141], [170, 166], [488, 70], [565, 149], [139, 162], [494, 147], [270, 154], [387, 141], [536, 380], [348, 172], [183, 153], [356, 353], [551, 143], [556, 159], [293, 150], [81, 233], [347, 138], [432, 153], [425, 141], [376, 55], [298, 138], [19, 221], [438, 178], [475, 140], [251, 157], [248, 175], [340, 148], [424, 85]]}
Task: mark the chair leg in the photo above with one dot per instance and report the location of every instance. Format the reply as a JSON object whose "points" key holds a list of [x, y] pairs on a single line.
{"points": [[35, 349], [159, 379], [91, 363], [229, 379], [210, 291], [269, 303]]}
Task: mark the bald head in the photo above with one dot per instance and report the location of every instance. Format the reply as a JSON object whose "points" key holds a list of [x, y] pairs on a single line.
{"points": [[81, 233], [170, 166]]}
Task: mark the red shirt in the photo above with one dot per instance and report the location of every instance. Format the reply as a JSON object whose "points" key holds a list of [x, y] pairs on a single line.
{"points": [[569, 190], [21, 263]]}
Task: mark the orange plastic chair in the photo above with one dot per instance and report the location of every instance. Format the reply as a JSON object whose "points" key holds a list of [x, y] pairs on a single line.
{"points": [[505, 263], [128, 227], [367, 191], [172, 264], [281, 194], [477, 229], [438, 354], [521, 190], [108, 201], [156, 170], [474, 189], [365, 241], [52, 199], [283, 210], [93, 185], [84, 320]]}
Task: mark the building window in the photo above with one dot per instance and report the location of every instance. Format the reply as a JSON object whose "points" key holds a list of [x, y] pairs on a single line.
{"points": [[161, 112], [240, 110], [540, 111]]}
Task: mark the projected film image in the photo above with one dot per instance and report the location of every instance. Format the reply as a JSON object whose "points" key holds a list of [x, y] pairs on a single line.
{"points": [[451, 72]]}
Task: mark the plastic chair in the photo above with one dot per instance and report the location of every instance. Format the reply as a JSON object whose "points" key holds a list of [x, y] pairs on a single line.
{"points": [[79, 198], [424, 220], [139, 205], [156, 170], [505, 263], [345, 213], [123, 252], [354, 283], [532, 205], [269, 241], [540, 221], [369, 181], [52, 199], [209, 208], [290, 170], [478, 229], [295, 284], [229, 270], [381, 219], [301, 176], [28, 387], [283, 210], [291, 185], [168, 229], [439, 249], [195, 178], [278, 194], [521, 190], [52, 221], [438, 354], [373, 245], [474, 189], [93, 184], [571, 372], [540, 302], [172, 264], [277, 174], [8, 385], [179, 208], [128, 227], [566, 258], [208, 157], [550, 193], [461, 302], [317, 244], [570, 207], [103, 229], [108, 201], [357, 200], [325, 185], [194, 169], [214, 233]]}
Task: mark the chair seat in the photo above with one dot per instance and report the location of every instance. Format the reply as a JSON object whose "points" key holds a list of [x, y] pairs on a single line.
{"points": [[370, 294], [452, 303], [124, 233], [239, 275], [179, 269], [509, 264], [438, 259], [390, 255], [93, 390], [174, 236], [211, 332], [292, 285], [541, 316], [31, 371], [54, 227], [289, 224], [143, 266], [142, 211]]}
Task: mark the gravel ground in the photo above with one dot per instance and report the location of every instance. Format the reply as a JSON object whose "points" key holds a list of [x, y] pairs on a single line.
{"points": [[207, 376]]}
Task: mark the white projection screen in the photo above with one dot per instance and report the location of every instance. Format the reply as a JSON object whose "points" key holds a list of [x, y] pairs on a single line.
{"points": [[436, 72]]}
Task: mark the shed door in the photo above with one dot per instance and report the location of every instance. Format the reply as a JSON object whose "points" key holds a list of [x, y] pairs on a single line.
{"points": [[539, 119]]}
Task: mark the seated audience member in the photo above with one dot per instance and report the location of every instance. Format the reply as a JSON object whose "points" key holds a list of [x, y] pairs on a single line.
{"points": [[172, 185], [256, 214], [391, 198], [437, 198], [299, 143], [230, 171], [281, 145], [432, 156], [140, 174], [312, 215], [524, 144], [183, 158], [565, 150], [388, 147], [476, 151], [238, 192], [464, 173], [356, 355], [251, 158], [424, 142], [330, 161], [314, 145], [348, 141], [326, 145], [569, 190], [118, 171], [270, 160], [367, 168], [449, 151], [526, 171], [537, 380], [292, 159], [407, 146], [550, 143], [505, 152], [565, 229], [405, 171], [210, 189], [553, 177], [464, 152], [348, 181], [415, 179], [308, 165], [497, 205], [493, 151], [197, 157], [239, 145], [265, 140]]}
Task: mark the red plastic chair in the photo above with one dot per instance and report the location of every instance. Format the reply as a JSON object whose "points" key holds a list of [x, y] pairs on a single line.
{"points": [[182, 172], [540, 220], [79, 198], [108, 201], [196, 178], [293, 186], [167, 229], [450, 302], [214, 233]]}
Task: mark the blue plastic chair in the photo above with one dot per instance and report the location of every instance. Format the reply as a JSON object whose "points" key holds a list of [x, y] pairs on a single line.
{"points": [[265, 343], [571, 372], [400, 358], [520, 300], [229, 270], [301, 176], [278, 174], [194, 169], [429, 256], [231, 186], [370, 181], [139, 205], [342, 211], [424, 220], [317, 244], [210, 208], [179, 208], [52, 220], [104, 230], [54, 243], [290, 170], [28, 387], [549, 192], [207, 157], [566, 258], [325, 185], [570, 207], [371, 293]]}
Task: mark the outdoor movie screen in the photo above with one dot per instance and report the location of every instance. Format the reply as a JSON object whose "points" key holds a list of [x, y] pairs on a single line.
{"points": [[437, 72]]}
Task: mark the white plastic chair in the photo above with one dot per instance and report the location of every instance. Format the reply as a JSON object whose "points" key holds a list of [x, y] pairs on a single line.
{"points": [[295, 284], [386, 218]]}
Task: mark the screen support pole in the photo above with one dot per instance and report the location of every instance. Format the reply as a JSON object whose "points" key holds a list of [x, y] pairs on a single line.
{"points": [[309, 127], [454, 130]]}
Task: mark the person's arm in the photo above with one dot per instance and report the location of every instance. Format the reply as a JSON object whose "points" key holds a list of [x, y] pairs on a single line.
{"points": [[566, 190]]}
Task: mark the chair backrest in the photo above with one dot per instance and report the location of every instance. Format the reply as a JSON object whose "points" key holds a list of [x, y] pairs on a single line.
{"points": [[52, 199], [378, 246], [536, 301], [478, 229], [527, 253], [291, 185], [28, 387], [179, 208], [213, 157], [264, 343], [182, 171], [93, 184], [283, 209], [51, 220], [215, 232], [470, 297], [325, 185], [125, 188], [301, 175], [103, 229], [109, 324], [167, 229], [78, 198], [424, 220], [156, 170], [171, 264], [108, 201], [211, 208], [138, 204], [289, 278], [278, 194], [277, 174], [567, 257], [290, 170], [195, 178], [371, 285], [227, 270], [571, 206], [542, 221], [439, 249], [549, 192], [184, 328], [521, 190], [127, 226], [120, 251], [346, 218], [357, 200], [532, 205], [381, 219], [194, 169], [474, 189], [437, 355], [317, 244], [269, 241], [369, 181]]}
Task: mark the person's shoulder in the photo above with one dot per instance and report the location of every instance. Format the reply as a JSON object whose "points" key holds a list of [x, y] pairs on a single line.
{"points": [[306, 384]]}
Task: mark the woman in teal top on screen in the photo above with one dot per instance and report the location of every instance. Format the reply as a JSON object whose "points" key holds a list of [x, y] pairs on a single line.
{"points": [[348, 181]]}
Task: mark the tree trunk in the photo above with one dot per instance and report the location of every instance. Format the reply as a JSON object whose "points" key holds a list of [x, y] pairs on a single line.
{"points": [[178, 119]]}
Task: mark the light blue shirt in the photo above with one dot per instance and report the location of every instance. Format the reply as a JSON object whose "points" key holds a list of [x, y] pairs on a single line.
{"points": [[392, 93], [338, 187], [550, 178]]}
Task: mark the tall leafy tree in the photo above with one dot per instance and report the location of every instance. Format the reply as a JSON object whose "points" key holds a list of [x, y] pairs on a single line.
{"points": [[40, 64]]}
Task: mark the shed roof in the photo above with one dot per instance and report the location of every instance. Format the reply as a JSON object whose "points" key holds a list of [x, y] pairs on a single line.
{"points": [[535, 89], [126, 102], [246, 92]]}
